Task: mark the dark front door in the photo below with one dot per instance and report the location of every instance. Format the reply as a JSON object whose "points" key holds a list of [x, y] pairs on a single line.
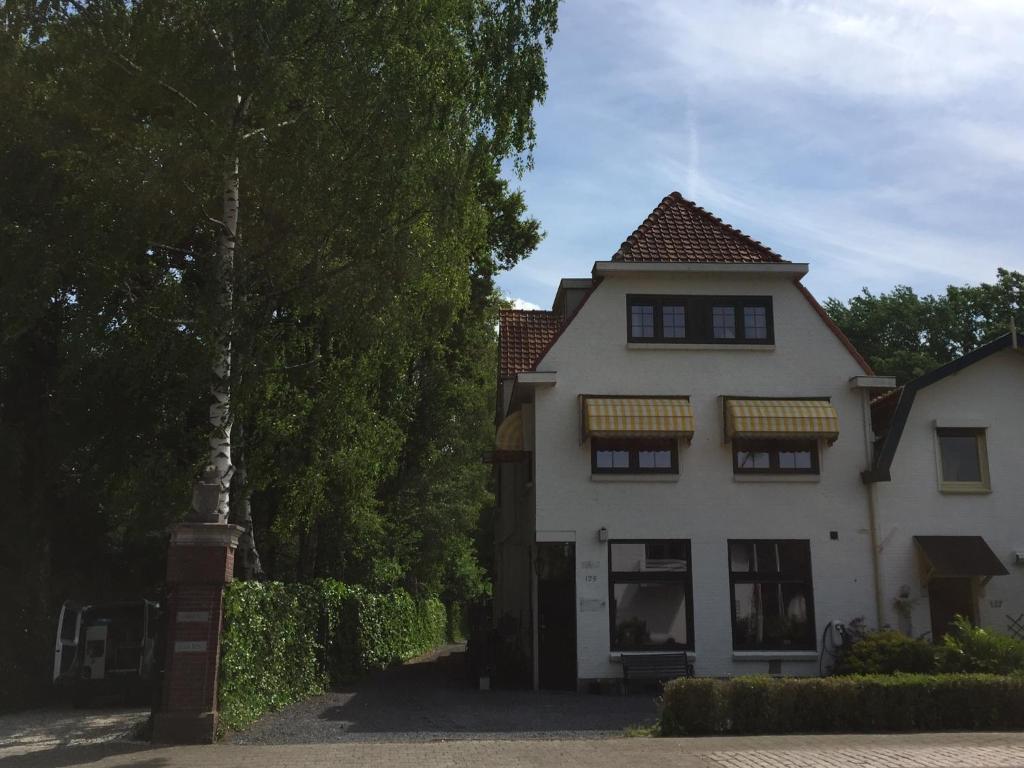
{"points": [[947, 598], [556, 615]]}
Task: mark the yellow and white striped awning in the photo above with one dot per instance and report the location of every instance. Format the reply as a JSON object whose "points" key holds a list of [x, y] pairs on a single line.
{"points": [[638, 417], [510, 433], [781, 418]]}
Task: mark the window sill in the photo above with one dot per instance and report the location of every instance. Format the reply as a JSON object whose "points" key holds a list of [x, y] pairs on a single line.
{"points": [[776, 478], [774, 655], [652, 478], [970, 488], [718, 347], [616, 656]]}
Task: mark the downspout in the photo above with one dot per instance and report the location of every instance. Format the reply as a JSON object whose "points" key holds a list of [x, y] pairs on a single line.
{"points": [[876, 568]]}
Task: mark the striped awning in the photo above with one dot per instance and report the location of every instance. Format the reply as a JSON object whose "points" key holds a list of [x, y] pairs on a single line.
{"points": [[510, 433], [638, 417], [781, 418]]}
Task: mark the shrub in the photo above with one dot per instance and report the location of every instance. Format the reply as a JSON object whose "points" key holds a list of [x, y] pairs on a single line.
{"points": [[887, 652], [377, 630], [283, 642], [270, 649], [973, 649], [868, 703]]}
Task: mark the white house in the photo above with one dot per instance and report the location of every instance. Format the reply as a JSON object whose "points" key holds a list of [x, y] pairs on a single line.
{"points": [[947, 489], [686, 461]]}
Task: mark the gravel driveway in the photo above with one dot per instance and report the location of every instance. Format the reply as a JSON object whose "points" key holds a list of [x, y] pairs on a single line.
{"points": [[43, 730], [428, 699]]}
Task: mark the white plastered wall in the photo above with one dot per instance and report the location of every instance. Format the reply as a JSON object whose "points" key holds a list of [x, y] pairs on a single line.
{"points": [[989, 393], [705, 503]]}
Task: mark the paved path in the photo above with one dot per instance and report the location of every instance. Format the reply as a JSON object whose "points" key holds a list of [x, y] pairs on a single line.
{"points": [[948, 750], [430, 699]]}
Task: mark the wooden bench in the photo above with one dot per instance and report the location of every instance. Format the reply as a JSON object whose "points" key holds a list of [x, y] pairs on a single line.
{"points": [[655, 667]]}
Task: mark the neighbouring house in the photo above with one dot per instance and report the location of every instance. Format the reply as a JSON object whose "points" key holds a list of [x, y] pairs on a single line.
{"points": [[686, 460], [947, 493]]}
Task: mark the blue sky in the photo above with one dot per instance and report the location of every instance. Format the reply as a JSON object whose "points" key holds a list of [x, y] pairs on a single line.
{"points": [[880, 140]]}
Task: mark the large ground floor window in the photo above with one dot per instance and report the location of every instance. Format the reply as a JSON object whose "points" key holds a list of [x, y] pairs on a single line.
{"points": [[651, 590], [772, 597]]}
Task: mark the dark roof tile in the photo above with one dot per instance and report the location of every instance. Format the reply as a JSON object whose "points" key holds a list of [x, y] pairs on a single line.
{"points": [[525, 335], [679, 230]]}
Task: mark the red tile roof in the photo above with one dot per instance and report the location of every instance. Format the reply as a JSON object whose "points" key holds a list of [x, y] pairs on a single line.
{"points": [[525, 335], [679, 230]]}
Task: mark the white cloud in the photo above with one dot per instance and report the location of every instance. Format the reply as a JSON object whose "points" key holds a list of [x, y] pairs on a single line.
{"points": [[881, 140], [523, 304], [910, 50]]}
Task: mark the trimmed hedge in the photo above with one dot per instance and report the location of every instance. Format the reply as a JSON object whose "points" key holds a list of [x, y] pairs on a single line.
{"points": [[270, 655], [377, 630], [855, 704], [283, 642]]}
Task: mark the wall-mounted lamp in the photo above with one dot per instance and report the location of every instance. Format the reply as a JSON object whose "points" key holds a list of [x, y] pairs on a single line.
{"points": [[602, 534]]}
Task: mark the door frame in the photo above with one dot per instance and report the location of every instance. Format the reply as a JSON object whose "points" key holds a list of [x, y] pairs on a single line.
{"points": [[535, 606], [974, 590]]}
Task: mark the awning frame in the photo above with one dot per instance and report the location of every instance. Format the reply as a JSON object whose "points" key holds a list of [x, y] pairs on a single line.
{"points": [[581, 403], [725, 408], [928, 569]]}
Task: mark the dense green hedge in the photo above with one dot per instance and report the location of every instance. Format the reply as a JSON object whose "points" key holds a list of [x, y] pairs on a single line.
{"points": [[270, 650], [853, 704], [376, 630], [282, 642]]}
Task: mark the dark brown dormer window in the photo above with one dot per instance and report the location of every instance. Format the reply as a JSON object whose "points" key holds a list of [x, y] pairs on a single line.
{"points": [[700, 319]]}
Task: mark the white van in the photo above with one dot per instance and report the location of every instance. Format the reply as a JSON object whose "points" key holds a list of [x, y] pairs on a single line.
{"points": [[107, 648]]}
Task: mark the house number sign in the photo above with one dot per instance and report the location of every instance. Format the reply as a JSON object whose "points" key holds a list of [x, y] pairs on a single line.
{"points": [[190, 646], [193, 617]]}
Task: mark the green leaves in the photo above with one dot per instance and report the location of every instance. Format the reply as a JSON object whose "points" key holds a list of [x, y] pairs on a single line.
{"points": [[283, 642], [905, 335], [370, 139]]}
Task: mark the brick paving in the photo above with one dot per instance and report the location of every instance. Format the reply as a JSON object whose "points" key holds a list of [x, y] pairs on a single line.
{"points": [[946, 750]]}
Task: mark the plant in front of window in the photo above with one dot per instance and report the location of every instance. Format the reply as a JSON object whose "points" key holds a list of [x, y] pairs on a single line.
{"points": [[632, 633]]}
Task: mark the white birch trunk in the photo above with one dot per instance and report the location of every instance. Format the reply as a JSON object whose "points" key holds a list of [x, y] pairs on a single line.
{"points": [[220, 407]]}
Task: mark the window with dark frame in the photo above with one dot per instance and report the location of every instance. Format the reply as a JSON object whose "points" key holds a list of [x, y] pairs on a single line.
{"points": [[775, 457], [772, 595], [642, 321], [961, 452], [650, 595], [634, 455], [700, 319]]}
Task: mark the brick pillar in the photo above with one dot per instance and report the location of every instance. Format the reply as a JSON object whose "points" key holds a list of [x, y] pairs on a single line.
{"points": [[200, 562]]}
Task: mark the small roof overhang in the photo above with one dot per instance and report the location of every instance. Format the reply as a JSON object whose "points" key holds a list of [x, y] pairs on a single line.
{"points": [[958, 556]]}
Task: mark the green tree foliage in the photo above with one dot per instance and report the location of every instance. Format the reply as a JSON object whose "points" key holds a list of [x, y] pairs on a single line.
{"points": [[368, 139], [905, 335]]}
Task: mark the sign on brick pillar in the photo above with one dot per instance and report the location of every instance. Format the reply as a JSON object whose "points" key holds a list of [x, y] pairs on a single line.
{"points": [[200, 562]]}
